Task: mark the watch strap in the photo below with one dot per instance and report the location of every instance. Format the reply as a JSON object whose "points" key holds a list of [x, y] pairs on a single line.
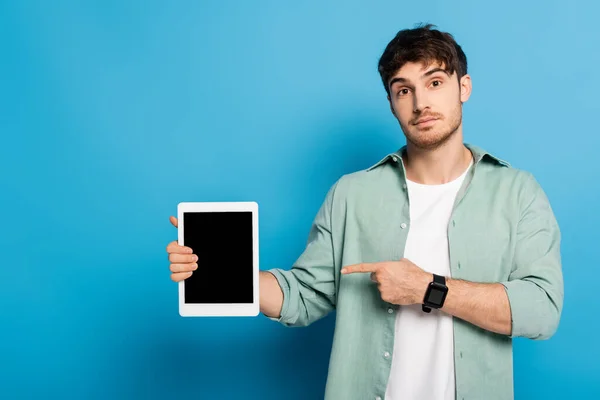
{"points": [[439, 279]]}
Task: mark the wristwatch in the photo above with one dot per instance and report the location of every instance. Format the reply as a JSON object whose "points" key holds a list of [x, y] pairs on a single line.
{"points": [[436, 293]]}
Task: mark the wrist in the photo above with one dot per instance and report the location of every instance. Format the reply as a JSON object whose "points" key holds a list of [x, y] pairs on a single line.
{"points": [[426, 279]]}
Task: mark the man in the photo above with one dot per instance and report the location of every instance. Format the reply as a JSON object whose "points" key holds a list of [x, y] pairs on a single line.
{"points": [[434, 258]]}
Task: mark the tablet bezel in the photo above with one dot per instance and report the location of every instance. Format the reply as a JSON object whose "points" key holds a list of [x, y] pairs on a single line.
{"points": [[221, 310]]}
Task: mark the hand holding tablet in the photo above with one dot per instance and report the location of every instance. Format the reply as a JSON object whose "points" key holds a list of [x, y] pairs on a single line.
{"points": [[183, 261], [223, 281]]}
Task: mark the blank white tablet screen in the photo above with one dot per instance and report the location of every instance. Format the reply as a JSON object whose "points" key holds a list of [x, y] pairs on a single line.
{"points": [[222, 240]]}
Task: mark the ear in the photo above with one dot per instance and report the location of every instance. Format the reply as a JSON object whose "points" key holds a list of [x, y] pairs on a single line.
{"points": [[466, 87]]}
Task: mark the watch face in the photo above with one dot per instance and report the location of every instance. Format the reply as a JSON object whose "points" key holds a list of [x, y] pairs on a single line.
{"points": [[436, 296]]}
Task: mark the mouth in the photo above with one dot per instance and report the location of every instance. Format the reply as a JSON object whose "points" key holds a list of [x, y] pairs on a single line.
{"points": [[427, 122]]}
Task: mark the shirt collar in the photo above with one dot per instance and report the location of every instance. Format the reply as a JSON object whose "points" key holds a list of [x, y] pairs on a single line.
{"points": [[479, 154]]}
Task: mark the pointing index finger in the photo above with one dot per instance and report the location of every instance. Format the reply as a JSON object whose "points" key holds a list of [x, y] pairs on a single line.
{"points": [[362, 267]]}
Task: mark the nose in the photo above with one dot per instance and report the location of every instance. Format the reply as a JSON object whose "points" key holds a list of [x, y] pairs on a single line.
{"points": [[420, 101]]}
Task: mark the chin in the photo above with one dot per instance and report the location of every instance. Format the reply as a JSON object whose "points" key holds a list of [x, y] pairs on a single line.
{"points": [[428, 140]]}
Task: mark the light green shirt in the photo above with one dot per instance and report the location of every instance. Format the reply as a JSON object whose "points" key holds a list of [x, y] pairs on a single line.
{"points": [[502, 229]]}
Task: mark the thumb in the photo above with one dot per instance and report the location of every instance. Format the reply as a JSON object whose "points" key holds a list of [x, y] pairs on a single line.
{"points": [[173, 221]]}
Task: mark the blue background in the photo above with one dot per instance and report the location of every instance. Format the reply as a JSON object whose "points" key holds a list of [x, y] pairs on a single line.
{"points": [[113, 112]]}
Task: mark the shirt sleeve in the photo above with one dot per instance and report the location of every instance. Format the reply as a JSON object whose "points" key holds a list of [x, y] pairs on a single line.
{"points": [[309, 291], [535, 286]]}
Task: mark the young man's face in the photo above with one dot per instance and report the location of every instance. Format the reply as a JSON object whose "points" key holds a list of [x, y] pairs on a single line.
{"points": [[418, 93]]}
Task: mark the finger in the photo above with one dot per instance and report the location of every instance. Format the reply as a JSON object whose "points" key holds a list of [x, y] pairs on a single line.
{"points": [[362, 267], [173, 220], [175, 268], [180, 276], [175, 247], [182, 258]]}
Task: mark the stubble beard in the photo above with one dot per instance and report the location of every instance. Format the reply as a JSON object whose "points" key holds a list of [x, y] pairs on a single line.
{"points": [[433, 137]]}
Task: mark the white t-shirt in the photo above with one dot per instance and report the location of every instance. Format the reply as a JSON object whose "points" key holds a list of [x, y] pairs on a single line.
{"points": [[423, 358]]}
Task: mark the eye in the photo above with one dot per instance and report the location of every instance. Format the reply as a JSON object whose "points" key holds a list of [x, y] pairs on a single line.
{"points": [[402, 92], [437, 80]]}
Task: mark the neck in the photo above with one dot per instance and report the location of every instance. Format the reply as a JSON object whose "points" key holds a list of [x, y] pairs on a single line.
{"points": [[437, 166]]}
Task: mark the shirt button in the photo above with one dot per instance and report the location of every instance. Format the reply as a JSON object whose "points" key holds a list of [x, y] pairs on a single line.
{"points": [[379, 398], [395, 158], [404, 185], [403, 225], [390, 310], [386, 354]]}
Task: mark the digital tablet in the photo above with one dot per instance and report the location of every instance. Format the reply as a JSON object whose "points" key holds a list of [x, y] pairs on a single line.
{"points": [[224, 236]]}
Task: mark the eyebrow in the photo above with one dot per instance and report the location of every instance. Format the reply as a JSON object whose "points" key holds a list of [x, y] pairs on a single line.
{"points": [[426, 74]]}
